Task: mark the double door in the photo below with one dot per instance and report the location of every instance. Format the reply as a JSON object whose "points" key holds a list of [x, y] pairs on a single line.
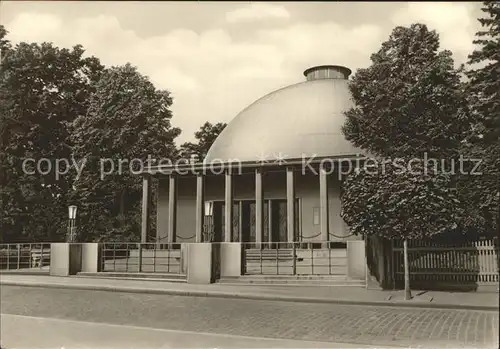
{"points": [[244, 221]]}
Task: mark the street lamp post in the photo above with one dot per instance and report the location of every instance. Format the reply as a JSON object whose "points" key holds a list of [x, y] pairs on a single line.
{"points": [[208, 230], [72, 223]]}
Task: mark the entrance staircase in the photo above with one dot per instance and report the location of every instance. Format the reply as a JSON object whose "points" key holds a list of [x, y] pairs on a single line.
{"points": [[178, 278], [292, 280], [312, 267], [255, 255], [151, 265], [263, 267]]}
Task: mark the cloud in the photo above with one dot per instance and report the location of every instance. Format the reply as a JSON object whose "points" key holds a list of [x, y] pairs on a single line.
{"points": [[213, 74], [257, 11], [452, 20]]}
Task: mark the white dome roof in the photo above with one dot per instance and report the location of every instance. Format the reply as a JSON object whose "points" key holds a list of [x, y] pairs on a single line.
{"points": [[301, 120]]}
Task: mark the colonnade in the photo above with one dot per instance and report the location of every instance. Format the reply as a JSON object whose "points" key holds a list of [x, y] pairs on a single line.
{"points": [[228, 207]]}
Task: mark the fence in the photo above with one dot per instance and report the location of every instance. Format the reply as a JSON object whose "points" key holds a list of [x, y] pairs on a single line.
{"points": [[141, 257], [24, 256], [297, 258], [468, 262]]}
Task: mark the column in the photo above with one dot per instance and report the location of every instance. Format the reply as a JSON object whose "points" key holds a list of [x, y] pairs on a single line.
{"points": [[228, 206], [200, 206], [270, 221], [290, 204], [259, 207], [323, 204], [146, 193], [240, 220], [172, 208]]}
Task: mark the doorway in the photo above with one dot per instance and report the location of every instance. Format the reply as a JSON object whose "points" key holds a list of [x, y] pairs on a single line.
{"points": [[244, 221]]}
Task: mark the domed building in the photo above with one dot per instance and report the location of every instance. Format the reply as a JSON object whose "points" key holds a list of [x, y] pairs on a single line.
{"points": [[272, 176], [268, 154], [297, 121]]}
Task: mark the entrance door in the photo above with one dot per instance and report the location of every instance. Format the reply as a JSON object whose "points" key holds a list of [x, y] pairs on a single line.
{"points": [[244, 221], [236, 221], [249, 230], [279, 220]]}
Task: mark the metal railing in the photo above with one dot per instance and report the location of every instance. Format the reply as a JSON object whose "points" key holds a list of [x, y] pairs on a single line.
{"points": [[294, 258], [34, 256], [142, 258]]}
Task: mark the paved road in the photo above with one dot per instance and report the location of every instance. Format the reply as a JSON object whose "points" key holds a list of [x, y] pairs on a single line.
{"points": [[376, 326], [45, 333]]}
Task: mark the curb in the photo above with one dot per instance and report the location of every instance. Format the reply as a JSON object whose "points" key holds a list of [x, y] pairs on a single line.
{"points": [[246, 296]]}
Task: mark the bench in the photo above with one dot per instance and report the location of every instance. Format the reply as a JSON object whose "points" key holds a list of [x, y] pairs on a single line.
{"points": [[38, 257]]}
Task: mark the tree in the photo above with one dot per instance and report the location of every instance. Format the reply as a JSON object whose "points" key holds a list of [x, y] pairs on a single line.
{"points": [[408, 104], [410, 101], [42, 89], [128, 122], [205, 137], [483, 192], [484, 84], [4, 43], [387, 200]]}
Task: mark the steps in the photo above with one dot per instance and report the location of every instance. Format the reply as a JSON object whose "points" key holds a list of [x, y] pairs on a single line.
{"points": [[301, 254], [318, 267], [181, 278], [268, 255], [321, 262], [148, 265], [292, 280]]}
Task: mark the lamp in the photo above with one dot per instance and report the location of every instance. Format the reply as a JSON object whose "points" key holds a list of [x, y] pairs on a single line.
{"points": [[71, 223], [209, 208], [72, 212], [208, 224]]}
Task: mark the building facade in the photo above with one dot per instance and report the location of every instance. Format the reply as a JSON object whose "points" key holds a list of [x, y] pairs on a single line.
{"points": [[273, 175]]}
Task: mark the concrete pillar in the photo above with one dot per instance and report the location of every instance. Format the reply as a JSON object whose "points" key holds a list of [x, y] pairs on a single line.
{"points": [[65, 259], [290, 203], [230, 259], [228, 206], [323, 203], [259, 207], [172, 208], [146, 198], [356, 260], [200, 263], [200, 205], [90, 257]]}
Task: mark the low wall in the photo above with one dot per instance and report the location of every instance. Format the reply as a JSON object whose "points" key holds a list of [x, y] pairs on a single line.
{"points": [[230, 259], [199, 261], [65, 259], [90, 258], [356, 260]]}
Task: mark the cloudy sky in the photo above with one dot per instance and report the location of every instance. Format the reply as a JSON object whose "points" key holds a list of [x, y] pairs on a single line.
{"points": [[218, 57]]}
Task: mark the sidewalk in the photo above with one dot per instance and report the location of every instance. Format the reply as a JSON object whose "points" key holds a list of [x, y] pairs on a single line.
{"points": [[313, 294]]}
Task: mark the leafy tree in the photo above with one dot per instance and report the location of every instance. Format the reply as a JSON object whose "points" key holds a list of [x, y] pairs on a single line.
{"points": [[388, 201], [128, 120], [4, 43], [485, 81], [205, 137], [483, 192], [42, 89], [408, 103]]}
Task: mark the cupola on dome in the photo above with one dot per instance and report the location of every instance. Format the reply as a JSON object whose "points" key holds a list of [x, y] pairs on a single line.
{"points": [[301, 120]]}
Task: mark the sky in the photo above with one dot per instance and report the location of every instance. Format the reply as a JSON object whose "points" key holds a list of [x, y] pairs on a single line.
{"points": [[218, 57]]}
